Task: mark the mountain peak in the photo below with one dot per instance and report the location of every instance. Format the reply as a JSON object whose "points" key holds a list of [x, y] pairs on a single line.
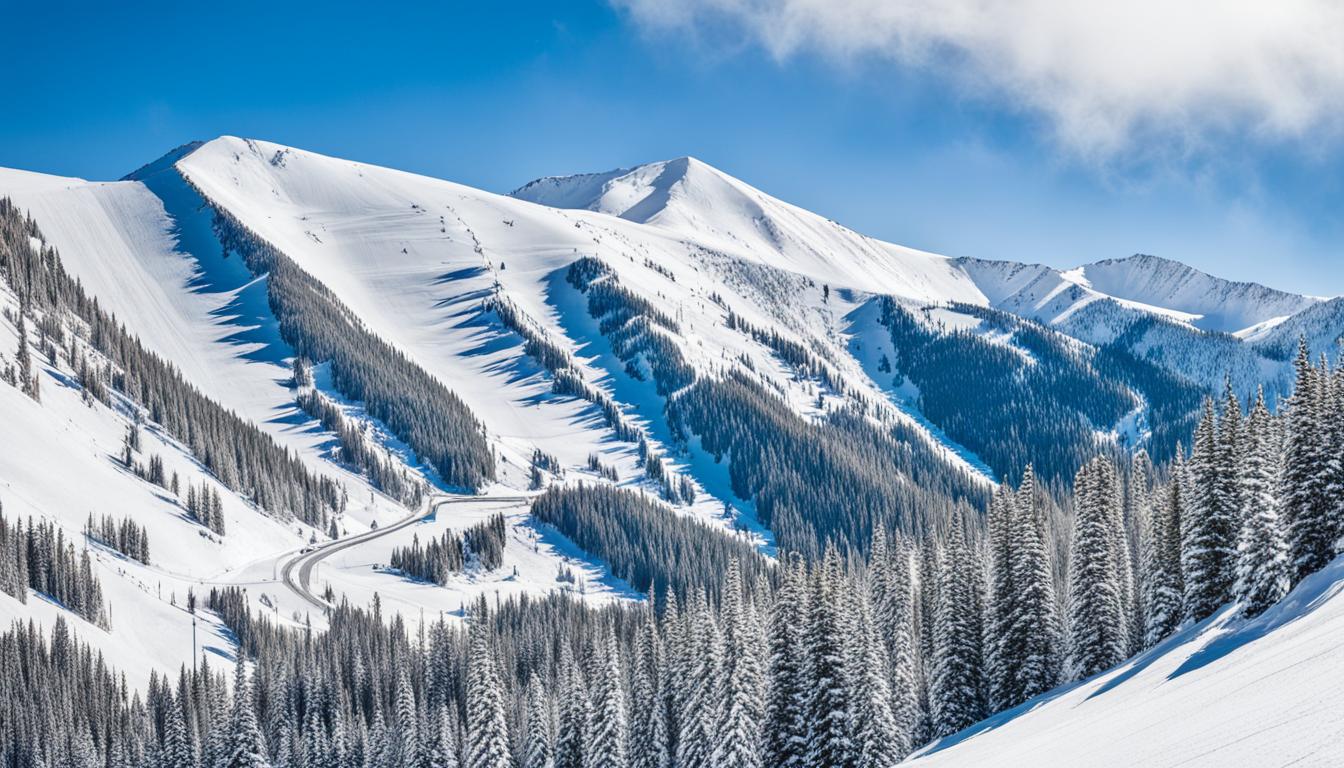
{"points": [[1221, 305]]}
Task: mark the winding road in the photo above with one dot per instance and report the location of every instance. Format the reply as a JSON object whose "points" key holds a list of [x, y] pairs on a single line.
{"points": [[298, 570]]}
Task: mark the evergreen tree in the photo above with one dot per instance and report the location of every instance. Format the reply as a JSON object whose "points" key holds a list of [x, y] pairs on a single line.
{"points": [[487, 724], [1262, 556], [1001, 658], [177, 748], [442, 748], [649, 746], [956, 678], [572, 735], [607, 723], [1097, 631], [246, 748], [407, 747], [1164, 582], [741, 701], [881, 741], [830, 740], [538, 749], [1310, 529], [786, 729], [1209, 550], [1034, 633]]}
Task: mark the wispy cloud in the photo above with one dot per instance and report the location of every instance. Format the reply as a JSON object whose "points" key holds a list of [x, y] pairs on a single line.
{"points": [[1107, 77]]}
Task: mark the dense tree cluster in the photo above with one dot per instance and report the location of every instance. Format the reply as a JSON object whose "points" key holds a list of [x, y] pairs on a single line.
{"points": [[1044, 410], [125, 536], [643, 542], [1171, 403], [38, 556], [481, 544], [414, 406], [837, 661], [244, 458], [816, 482]]}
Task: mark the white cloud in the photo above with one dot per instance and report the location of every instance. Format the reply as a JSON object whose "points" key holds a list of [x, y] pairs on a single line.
{"points": [[1107, 76]]}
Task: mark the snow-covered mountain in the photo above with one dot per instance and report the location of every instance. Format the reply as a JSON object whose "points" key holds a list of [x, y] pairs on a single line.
{"points": [[573, 320]]}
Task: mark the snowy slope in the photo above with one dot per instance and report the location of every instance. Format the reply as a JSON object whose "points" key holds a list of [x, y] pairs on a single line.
{"points": [[705, 205], [1226, 692], [145, 248], [415, 257]]}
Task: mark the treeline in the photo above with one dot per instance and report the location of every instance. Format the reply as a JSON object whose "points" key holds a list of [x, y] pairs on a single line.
{"points": [[38, 556], [653, 549], [841, 661], [354, 449], [566, 377], [836, 480], [126, 536], [243, 458], [1010, 411], [414, 405], [482, 543]]}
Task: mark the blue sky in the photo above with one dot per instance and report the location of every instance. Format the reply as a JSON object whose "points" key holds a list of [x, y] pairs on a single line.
{"points": [[921, 150]]}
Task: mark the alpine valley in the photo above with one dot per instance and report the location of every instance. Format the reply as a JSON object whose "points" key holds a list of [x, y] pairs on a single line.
{"points": [[309, 463]]}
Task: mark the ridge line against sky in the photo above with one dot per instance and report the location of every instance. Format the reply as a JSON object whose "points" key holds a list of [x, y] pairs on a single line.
{"points": [[1198, 131]]}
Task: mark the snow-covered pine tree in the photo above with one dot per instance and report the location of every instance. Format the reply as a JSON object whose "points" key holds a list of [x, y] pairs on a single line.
{"points": [[741, 700], [407, 747], [246, 749], [571, 732], [786, 704], [607, 722], [830, 741], [1310, 529], [956, 679], [1231, 434], [177, 750], [537, 751], [648, 710], [881, 742], [1034, 632], [1163, 578], [1262, 556], [487, 723], [898, 627], [1097, 629], [1001, 658], [698, 716], [441, 747], [1208, 557]]}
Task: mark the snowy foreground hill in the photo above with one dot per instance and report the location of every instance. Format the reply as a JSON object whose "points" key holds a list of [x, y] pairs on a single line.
{"points": [[1225, 692], [252, 390]]}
